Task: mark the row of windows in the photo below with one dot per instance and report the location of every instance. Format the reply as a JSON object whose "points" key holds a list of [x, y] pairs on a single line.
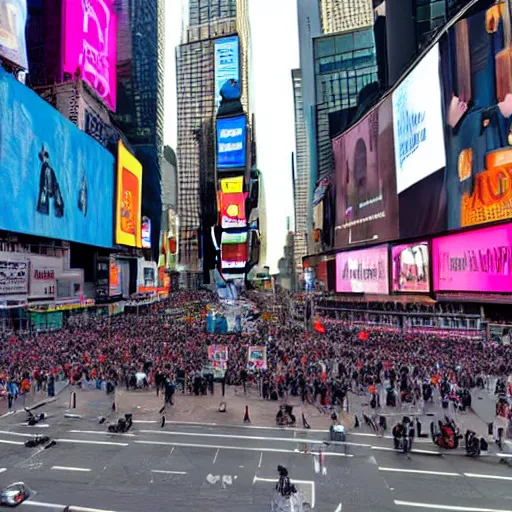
{"points": [[333, 45]]}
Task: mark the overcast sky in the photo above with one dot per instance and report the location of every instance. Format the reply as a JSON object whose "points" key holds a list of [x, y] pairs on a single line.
{"points": [[274, 54]]}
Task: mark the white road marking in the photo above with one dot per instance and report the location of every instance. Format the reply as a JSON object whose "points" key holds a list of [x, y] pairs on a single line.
{"points": [[5, 441], [261, 458], [389, 449], [8, 413], [491, 477], [68, 468], [39, 425], [19, 434], [420, 472], [145, 421], [447, 507], [165, 472], [59, 506], [126, 434], [83, 441], [241, 448], [216, 455], [3, 470], [339, 508], [254, 427], [293, 481]]}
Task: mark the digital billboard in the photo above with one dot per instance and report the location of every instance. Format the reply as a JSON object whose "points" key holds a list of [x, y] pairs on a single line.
{"points": [[232, 185], [366, 200], [57, 182], [146, 233], [13, 18], [232, 210], [227, 63], [90, 40], [477, 86], [418, 123], [231, 142], [475, 261], [411, 267], [114, 278], [363, 271], [234, 238], [129, 198], [234, 252]]}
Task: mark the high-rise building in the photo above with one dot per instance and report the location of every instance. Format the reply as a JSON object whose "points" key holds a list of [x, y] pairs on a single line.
{"points": [[301, 176], [345, 15], [209, 20]]}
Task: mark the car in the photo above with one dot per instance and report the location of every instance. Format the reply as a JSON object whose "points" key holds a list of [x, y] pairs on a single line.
{"points": [[14, 494]]}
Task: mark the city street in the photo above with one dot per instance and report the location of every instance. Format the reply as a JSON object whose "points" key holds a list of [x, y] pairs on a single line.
{"points": [[200, 467]]}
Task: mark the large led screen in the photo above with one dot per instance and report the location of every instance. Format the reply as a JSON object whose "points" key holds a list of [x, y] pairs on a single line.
{"points": [[231, 142], [232, 210], [232, 185], [227, 63], [234, 238], [366, 201], [418, 123], [363, 271], [476, 261], [13, 17], [56, 181], [90, 38], [411, 268], [234, 252], [129, 198], [477, 85]]}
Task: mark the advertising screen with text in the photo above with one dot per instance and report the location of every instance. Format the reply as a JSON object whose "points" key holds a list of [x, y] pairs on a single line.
{"points": [[90, 40], [411, 268], [476, 261], [231, 142], [227, 63], [233, 185], [363, 271], [232, 210]]}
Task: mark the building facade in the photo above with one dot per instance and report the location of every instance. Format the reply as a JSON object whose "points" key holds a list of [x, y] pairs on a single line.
{"points": [[344, 15]]}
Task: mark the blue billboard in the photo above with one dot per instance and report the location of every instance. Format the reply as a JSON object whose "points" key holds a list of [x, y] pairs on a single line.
{"points": [[231, 142], [227, 63], [56, 181]]}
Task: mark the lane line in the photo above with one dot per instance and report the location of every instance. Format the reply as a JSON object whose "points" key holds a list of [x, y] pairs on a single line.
{"points": [[59, 506], [254, 427], [447, 507], [8, 413], [490, 477], [240, 448], [261, 458], [69, 468], [44, 425], [389, 449], [145, 421], [101, 432], [3, 470], [164, 472], [84, 441], [5, 441], [19, 434], [339, 508], [293, 481], [216, 455], [420, 472]]}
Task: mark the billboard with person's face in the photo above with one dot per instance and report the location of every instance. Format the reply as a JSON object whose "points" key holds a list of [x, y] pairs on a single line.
{"points": [[366, 202]]}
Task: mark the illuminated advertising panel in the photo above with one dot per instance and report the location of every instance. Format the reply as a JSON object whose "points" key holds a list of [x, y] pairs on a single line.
{"points": [[227, 63], [363, 271], [232, 185], [129, 198], [418, 123], [478, 261], [231, 142], [234, 238], [114, 278], [234, 252], [90, 38], [411, 267], [13, 17], [366, 199], [56, 181], [146, 233], [232, 210]]}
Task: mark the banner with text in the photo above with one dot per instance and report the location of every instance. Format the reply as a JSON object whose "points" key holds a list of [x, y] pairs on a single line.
{"points": [[13, 277], [231, 143], [42, 282]]}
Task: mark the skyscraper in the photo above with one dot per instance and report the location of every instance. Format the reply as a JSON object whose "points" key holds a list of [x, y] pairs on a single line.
{"points": [[343, 15], [208, 21]]}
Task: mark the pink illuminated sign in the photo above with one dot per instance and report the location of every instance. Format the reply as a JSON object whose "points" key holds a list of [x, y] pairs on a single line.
{"points": [[90, 29], [477, 261], [411, 268], [363, 271]]}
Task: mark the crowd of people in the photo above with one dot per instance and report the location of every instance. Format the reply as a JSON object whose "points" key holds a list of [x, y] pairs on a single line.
{"points": [[151, 348]]}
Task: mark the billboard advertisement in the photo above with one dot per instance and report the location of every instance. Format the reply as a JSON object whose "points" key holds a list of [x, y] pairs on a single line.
{"points": [[231, 142], [114, 278], [57, 182], [475, 261], [478, 103], [256, 358], [232, 210], [129, 198], [234, 238], [42, 282], [218, 356], [234, 252], [363, 271], [90, 39], [232, 185], [13, 18], [227, 63], [411, 267], [13, 277], [146, 233], [366, 201], [418, 123]]}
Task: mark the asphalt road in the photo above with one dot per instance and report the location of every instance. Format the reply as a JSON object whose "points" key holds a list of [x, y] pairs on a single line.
{"points": [[196, 468]]}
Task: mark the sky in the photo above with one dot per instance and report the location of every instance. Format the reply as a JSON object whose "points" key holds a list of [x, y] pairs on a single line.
{"points": [[274, 54]]}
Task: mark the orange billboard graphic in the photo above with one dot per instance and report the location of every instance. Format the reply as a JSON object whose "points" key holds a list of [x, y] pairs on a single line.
{"points": [[129, 198], [233, 185]]}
